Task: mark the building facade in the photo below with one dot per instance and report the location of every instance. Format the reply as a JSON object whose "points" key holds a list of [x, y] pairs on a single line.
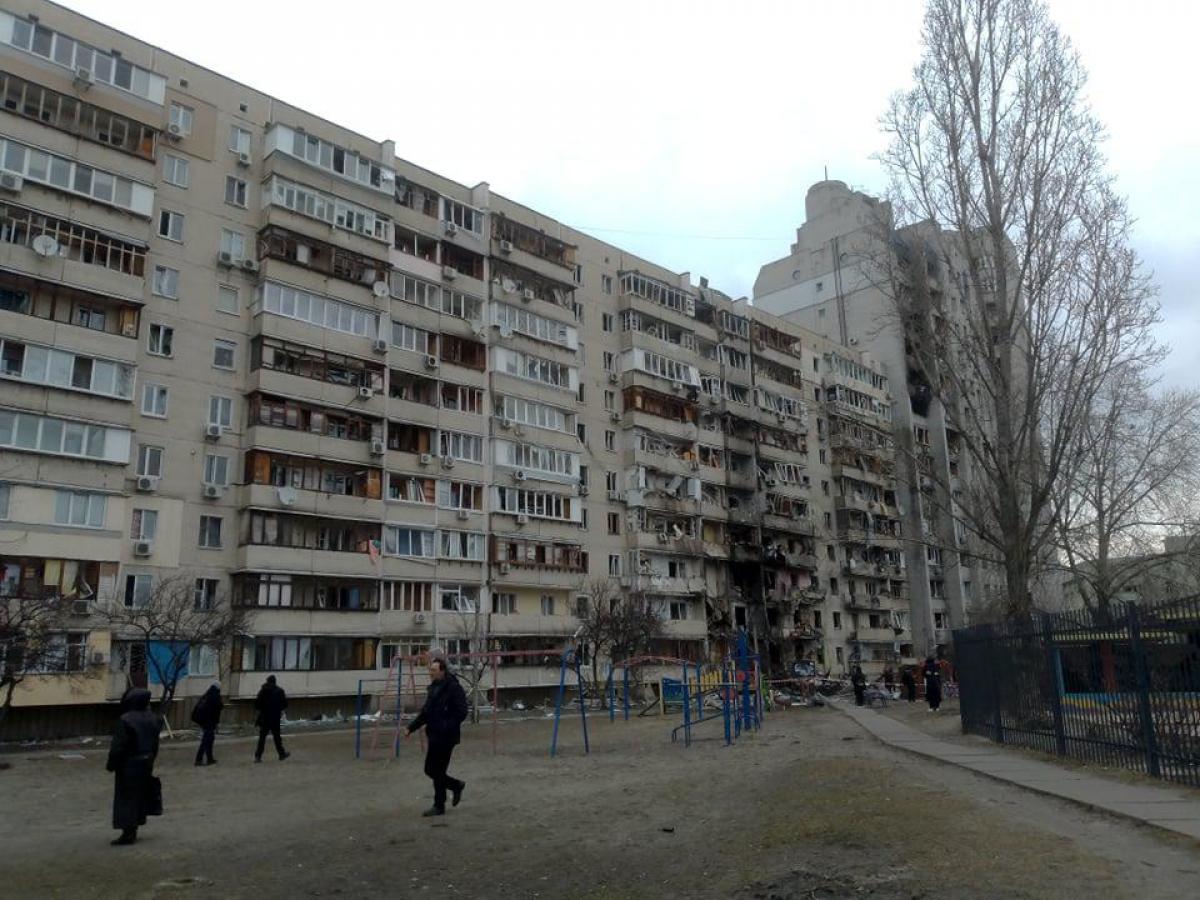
{"points": [[386, 412]]}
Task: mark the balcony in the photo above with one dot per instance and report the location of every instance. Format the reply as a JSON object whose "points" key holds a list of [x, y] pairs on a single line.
{"points": [[321, 257], [53, 314], [530, 246], [649, 583]]}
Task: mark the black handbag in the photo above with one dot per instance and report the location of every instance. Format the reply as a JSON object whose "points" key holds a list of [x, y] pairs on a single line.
{"points": [[154, 805]]}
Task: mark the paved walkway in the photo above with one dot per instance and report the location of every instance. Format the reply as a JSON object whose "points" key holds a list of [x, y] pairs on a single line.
{"points": [[1161, 807]]}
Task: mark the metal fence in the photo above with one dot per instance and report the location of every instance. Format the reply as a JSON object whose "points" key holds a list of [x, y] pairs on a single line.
{"points": [[1118, 690]]}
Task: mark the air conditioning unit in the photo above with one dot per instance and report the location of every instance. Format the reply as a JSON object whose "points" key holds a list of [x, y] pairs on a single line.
{"points": [[519, 475], [614, 495], [583, 490], [212, 491], [462, 515], [527, 294], [769, 482], [79, 607], [11, 182], [449, 273], [431, 362], [504, 422], [519, 430], [506, 247], [380, 345], [98, 658], [615, 416], [522, 519], [451, 229], [84, 78], [504, 568], [174, 131], [250, 265], [425, 459], [614, 378], [377, 446], [147, 483], [143, 548], [213, 431], [366, 393], [225, 259], [447, 461], [506, 331], [419, 619], [243, 160]]}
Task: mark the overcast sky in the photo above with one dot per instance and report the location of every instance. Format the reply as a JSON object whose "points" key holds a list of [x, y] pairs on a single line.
{"points": [[686, 132]]}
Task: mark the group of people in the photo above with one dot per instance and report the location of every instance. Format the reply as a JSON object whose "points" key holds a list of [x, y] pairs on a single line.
{"points": [[137, 793], [931, 670]]}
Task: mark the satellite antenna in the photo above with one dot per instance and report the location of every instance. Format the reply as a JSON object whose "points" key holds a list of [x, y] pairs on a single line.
{"points": [[380, 289], [287, 496], [45, 245]]}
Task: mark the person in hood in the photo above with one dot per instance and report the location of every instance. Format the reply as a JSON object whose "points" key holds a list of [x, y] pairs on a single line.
{"points": [[270, 703], [207, 714], [933, 683], [859, 682], [444, 711], [910, 684], [131, 759]]}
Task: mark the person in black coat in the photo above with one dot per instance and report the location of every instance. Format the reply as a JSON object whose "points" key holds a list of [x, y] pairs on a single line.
{"points": [[933, 683], [270, 703], [131, 758], [859, 681], [207, 714], [444, 711], [910, 685]]}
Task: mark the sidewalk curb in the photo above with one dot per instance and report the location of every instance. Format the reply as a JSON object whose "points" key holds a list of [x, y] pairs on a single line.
{"points": [[1033, 789]]}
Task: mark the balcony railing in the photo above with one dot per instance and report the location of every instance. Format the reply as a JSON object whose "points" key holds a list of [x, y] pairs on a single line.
{"points": [[71, 240]]}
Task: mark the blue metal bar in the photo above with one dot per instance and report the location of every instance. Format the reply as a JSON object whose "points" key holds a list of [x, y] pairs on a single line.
{"points": [[582, 704], [358, 722], [625, 675], [562, 687], [687, 710], [612, 695], [399, 688]]}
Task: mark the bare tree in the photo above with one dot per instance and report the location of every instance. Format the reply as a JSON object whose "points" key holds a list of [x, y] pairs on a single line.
{"points": [[1137, 485], [33, 624], [172, 620], [1021, 313], [617, 624]]}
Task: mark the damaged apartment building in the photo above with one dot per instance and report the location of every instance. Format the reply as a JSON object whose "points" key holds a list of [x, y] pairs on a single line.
{"points": [[385, 412]]}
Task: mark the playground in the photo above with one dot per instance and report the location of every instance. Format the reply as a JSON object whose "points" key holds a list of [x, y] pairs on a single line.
{"points": [[805, 806]]}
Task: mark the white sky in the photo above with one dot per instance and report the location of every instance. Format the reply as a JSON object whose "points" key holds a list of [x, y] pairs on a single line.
{"points": [[686, 132]]}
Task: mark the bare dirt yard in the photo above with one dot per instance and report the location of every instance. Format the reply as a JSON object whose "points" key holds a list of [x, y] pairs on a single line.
{"points": [[810, 807]]}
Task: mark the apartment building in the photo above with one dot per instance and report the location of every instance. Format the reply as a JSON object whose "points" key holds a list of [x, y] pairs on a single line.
{"points": [[836, 282], [386, 412]]}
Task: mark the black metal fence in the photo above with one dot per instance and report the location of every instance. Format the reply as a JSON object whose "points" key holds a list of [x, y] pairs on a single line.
{"points": [[1118, 690]]}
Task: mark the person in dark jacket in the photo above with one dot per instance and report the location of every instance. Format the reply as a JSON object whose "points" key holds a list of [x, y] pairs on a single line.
{"points": [[859, 682], [131, 758], [444, 711], [910, 685], [270, 703], [207, 714], [933, 683]]}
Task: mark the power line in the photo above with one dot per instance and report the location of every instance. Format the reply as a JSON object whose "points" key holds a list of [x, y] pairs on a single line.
{"points": [[668, 234]]}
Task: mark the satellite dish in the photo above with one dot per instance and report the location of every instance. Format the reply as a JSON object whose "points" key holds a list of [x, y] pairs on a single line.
{"points": [[381, 289], [508, 284], [287, 496], [45, 245]]}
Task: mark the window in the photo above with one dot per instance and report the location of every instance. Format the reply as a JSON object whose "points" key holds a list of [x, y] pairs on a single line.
{"points": [[332, 158], [606, 285], [614, 523], [504, 604], [839, 654], [5, 491], [170, 225], [216, 469], [137, 590], [610, 362], [176, 170], [458, 598], [614, 564], [202, 660], [223, 354], [166, 282], [235, 191], [404, 541], [150, 461], [547, 605], [239, 139], [464, 545], [828, 520], [837, 620], [64, 174], [410, 596], [227, 299], [327, 208], [79, 510], [610, 400], [581, 432], [154, 400], [206, 591], [678, 610], [210, 532], [161, 338], [467, 447], [458, 495], [144, 526], [233, 243], [220, 411], [610, 441], [324, 312], [417, 340], [181, 118]]}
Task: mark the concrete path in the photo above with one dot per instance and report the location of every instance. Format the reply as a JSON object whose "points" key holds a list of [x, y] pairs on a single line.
{"points": [[1161, 807]]}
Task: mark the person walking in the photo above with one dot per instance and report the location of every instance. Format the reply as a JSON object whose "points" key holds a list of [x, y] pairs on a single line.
{"points": [[444, 711], [131, 759], [270, 703], [933, 684], [207, 714], [859, 681], [910, 684]]}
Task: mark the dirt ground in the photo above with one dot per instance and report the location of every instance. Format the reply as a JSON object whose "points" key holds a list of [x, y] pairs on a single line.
{"points": [[810, 807]]}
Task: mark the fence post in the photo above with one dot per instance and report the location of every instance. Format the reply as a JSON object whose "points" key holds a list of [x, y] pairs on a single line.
{"points": [[993, 672], [1143, 689], [1052, 668]]}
